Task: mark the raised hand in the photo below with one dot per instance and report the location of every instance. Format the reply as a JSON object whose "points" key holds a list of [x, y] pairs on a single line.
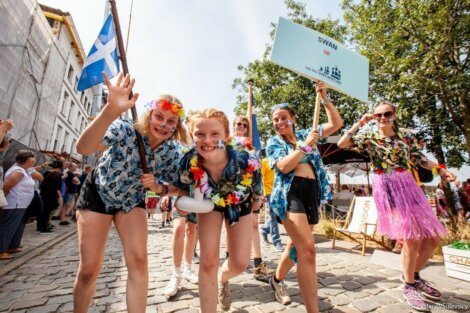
{"points": [[312, 138], [118, 99], [366, 118], [322, 89]]}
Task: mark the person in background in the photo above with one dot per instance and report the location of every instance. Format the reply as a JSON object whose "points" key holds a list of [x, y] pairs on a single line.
{"points": [[51, 196], [344, 194], [71, 189], [19, 192], [271, 226], [5, 126], [441, 202]]}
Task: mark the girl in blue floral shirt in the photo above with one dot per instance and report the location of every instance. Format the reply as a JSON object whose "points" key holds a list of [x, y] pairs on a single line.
{"points": [[229, 177], [300, 183], [115, 191]]}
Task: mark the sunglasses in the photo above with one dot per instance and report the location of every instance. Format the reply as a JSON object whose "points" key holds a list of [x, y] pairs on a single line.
{"points": [[280, 106], [242, 125], [385, 114]]}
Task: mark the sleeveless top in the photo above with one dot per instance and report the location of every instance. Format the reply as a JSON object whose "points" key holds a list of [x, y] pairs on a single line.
{"points": [[20, 195]]}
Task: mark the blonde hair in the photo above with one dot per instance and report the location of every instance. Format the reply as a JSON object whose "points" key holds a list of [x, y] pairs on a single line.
{"points": [[242, 118], [195, 116], [142, 124]]}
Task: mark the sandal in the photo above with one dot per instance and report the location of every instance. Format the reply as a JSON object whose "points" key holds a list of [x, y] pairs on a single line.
{"points": [[5, 256], [16, 250]]}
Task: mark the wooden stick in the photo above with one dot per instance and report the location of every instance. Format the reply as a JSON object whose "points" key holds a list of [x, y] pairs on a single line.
{"points": [[316, 112], [249, 110], [125, 69]]}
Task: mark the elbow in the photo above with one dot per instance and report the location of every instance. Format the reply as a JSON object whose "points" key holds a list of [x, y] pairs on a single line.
{"points": [[339, 123], [283, 169]]}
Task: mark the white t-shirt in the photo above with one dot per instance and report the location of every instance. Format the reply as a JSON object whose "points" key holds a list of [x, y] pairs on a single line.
{"points": [[21, 195]]}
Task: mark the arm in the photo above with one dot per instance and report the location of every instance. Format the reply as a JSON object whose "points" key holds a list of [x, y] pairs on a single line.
{"points": [[346, 140], [335, 121], [445, 174], [37, 176], [118, 102], [11, 181], [288, 163]]}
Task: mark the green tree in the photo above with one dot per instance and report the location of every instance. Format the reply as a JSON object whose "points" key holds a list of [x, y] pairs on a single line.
{"points": [[418, 51], [273, 84]]}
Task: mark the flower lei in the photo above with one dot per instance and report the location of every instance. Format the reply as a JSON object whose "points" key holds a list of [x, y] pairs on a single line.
{"points": [[176, 108], [222, 199], [437, 168]]}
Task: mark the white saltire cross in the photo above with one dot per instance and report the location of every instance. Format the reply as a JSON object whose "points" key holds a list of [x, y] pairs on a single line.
{"points": [[103, 52]]}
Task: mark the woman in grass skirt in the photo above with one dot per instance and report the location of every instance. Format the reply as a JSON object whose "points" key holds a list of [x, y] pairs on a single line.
{"points": [[404, 212]]}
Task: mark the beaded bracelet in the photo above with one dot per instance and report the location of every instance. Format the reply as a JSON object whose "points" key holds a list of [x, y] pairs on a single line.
{"points": [[303, 147], [436, 169]]}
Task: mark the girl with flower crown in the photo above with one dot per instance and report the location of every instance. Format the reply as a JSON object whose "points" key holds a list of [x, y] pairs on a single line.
{"points": [[114, 192], [404, 212], [229, 177], [300, 185]]}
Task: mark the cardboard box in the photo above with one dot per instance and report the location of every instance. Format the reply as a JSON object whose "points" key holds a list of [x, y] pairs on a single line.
{"points": [[457, 262]]}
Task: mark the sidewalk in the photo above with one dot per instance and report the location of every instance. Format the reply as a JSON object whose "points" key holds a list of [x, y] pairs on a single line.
{"points": [[34, 243]]}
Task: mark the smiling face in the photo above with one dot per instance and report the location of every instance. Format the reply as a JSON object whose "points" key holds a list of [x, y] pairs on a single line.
{"points": [[207, 134], [162, 123], [384, 115], [240, 127], [283, 122]]}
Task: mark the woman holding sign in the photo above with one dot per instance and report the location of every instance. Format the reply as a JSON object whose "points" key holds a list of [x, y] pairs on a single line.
{"points": [[114, 192], [403, 210], [300, 184]]}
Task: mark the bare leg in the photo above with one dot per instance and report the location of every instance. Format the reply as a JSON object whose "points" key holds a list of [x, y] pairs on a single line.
{"points": [[409, 255], [299, 231], [177, 240], [239, 244], [209, 228], [255, 240], [285, 262], [132, 229], [425, 251], [190, 242], [92, 229]]}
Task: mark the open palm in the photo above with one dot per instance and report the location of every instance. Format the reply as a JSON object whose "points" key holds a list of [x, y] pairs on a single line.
{"points": [[118, 99]]}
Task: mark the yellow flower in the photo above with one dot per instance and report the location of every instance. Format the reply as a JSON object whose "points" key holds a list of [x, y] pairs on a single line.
{"points": [[217, 200], [193, 162], [246, 179]]}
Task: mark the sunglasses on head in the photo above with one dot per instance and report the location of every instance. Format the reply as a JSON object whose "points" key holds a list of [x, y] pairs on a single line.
{"points": [[240, 124], [385, 114], [279, 106]]}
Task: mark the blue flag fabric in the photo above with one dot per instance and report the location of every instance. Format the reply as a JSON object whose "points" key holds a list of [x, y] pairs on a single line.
{"points": [[103, 57], [254, 128]]}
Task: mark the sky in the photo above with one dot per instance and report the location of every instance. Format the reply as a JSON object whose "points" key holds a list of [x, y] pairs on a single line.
{"points": [[191, 49]]}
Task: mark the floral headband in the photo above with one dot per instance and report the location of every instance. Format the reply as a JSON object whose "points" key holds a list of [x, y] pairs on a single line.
{"points": [[176, 108]]}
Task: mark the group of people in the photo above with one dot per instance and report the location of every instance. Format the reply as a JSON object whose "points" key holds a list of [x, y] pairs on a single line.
{"points": [[29, 191], [197, 153]]}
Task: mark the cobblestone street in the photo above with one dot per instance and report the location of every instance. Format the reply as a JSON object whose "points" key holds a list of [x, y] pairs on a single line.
{"points": [[348, 283]]}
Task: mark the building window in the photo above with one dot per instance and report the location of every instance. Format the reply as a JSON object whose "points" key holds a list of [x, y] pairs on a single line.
{"points": [[64, 103], [78, 119], [66, 137], [72, 106], [76, 83], [72, 149], [57, 138], [70, 74]]}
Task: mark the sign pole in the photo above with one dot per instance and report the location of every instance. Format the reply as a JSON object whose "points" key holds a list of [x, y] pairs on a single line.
{"points": [[249, 110]]}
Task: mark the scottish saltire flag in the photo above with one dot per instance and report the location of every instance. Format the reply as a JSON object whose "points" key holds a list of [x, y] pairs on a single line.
{"points": [[254, 128], [103, 57]]}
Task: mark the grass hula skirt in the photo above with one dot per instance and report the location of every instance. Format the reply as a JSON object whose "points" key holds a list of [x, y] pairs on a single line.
{"points": [[403, 209]]}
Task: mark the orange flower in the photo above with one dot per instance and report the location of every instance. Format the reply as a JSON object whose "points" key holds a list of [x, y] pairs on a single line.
{"points": [[197, 173]]}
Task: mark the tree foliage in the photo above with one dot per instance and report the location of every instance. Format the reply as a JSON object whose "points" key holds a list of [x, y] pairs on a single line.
{"points": [[418, 53]]}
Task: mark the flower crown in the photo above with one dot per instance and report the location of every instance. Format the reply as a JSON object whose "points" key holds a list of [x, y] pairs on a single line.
{"points": [[176, 108]]}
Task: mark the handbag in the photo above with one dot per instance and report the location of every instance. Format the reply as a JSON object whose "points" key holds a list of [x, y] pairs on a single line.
{"points": [[3, 200]]}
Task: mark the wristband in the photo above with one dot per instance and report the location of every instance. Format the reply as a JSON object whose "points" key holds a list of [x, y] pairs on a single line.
{"points": [[325, 100], [303, 147], [349, 135], [437, 168]]}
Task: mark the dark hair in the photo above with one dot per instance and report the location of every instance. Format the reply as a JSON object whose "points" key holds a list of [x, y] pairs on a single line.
{"points": [[23, 156], [57, 164], [285, 106], [5, 142], [396, 128]]}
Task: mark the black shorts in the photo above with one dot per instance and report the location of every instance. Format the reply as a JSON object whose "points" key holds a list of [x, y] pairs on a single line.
{"points": [[245, 208], [302, 198], [90, 199]]}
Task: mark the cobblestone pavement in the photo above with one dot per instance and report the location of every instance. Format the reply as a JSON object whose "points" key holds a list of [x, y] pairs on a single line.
{"points": [[348, 283]]}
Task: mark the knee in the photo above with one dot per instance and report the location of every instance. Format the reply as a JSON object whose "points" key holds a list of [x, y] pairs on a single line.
{"points": [[237, 266], [137, 262], [191, 230], [88, 272], [209, 263], [178, 231], [307, 253], [435, 242]]}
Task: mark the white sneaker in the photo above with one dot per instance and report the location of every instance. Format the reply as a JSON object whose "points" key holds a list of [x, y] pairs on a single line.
{"points": [[172, 288], [190, 276]]}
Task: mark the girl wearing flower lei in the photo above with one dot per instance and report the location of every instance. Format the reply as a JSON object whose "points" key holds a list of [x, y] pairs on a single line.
{"points": [[404, 212], [114, 192], [300, 185], [233, 180], [261, 271]]}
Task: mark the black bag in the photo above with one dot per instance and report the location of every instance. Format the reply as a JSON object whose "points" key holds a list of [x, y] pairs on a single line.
{"points": [[34, 208]]}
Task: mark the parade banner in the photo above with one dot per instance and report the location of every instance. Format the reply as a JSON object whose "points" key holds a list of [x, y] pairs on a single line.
{"points": [[319, 57]]}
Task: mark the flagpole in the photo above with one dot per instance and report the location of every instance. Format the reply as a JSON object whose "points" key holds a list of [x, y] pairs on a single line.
{"points": [[316, 112], [249, 110], [125, 69]]}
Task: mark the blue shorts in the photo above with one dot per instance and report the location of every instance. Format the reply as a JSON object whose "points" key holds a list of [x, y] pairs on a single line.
{"points": [[68, 197]]}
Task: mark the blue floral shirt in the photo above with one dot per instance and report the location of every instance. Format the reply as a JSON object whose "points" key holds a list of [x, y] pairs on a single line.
{"points": [[119, 170], [277, 149], [232, 176]]}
